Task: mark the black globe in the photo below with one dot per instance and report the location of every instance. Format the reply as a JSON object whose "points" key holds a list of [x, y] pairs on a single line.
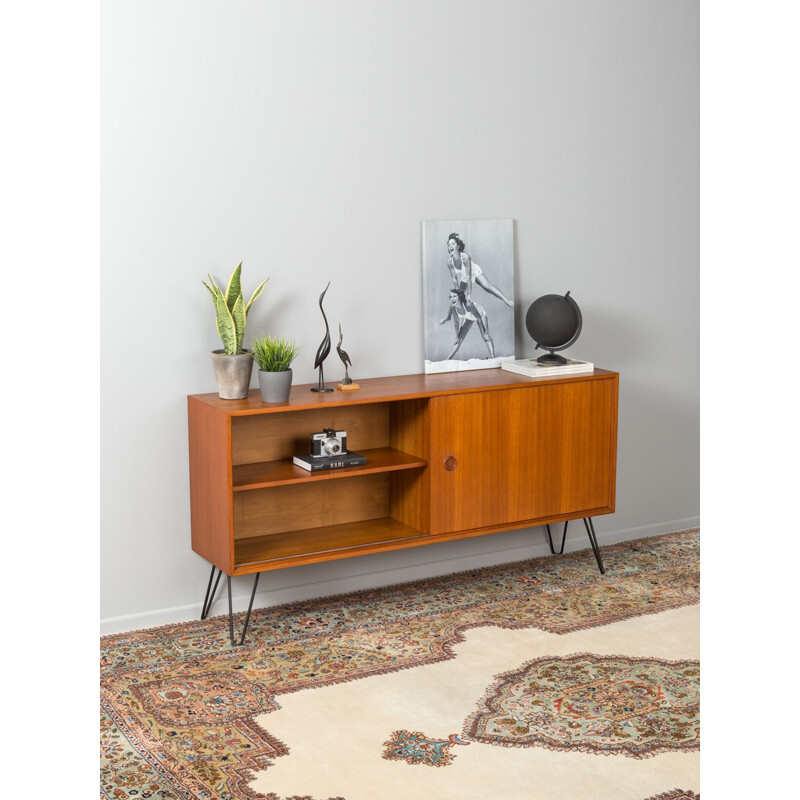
{"points": [[554, 323]]}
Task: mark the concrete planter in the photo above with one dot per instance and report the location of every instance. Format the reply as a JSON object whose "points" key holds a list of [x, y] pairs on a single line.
{"points": [[233, 374], [275, 386]]}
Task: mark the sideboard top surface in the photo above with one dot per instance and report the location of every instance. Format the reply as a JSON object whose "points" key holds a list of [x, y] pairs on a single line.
{"points": [[397, 387]]}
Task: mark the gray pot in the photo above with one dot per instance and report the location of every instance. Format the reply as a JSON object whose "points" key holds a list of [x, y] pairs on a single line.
{"points": [[233, 374], [275, 386]]}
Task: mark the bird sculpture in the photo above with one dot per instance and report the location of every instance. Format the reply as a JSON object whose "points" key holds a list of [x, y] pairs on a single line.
{"points": [[345, 358], [323, 350]]}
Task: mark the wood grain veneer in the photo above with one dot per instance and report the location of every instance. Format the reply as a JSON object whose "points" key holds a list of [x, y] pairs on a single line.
{"points": [[521, 455], [411, 491], [310, 505], [210, 484], [402, 387]]}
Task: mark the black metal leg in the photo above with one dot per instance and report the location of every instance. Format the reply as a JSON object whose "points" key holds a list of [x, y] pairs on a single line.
{"points": [[210, 594], [587, 521], [249, 609], [563, 539]]}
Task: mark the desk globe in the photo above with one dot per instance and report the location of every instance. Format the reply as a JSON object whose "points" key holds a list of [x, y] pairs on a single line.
{"points": [[554, 323]]}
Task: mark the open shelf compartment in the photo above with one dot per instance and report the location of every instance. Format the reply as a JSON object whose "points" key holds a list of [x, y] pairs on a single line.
{"points": [[320, 544]]}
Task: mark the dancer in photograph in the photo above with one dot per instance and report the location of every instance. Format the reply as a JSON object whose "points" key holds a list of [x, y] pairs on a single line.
{"points": [[462, 322], [465, 273]]}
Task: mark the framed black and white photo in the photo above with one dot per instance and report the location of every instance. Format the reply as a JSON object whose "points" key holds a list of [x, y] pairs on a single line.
{"points": [[468, 293]]}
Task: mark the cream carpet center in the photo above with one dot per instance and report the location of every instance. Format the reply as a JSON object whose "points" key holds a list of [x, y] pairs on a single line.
{"points": [[336, 734]]}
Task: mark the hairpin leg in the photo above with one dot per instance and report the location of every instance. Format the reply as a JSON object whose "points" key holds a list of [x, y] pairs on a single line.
{"points": [[587, 521], [249, 609], [563, 539], [210, 594]]}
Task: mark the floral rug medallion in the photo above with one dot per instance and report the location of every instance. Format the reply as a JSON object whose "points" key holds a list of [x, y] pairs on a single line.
{"points": [[416, 748], [610, 705]]}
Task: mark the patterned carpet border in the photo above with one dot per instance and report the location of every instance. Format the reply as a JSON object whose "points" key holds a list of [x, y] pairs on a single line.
{"points": [[585, 570], [156, 683]]}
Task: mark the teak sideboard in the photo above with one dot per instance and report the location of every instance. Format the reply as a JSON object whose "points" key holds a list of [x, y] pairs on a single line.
{"points": [[449, 456]]}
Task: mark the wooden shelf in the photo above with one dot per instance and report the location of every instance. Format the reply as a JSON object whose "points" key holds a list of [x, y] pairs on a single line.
{"points": [[282, 473], [311, 543]]}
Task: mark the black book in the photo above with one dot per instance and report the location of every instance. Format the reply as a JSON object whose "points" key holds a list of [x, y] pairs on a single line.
{"points": [[316, 463]]}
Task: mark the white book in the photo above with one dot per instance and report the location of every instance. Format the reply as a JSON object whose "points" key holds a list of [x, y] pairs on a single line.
{"points": [[530, 366]]}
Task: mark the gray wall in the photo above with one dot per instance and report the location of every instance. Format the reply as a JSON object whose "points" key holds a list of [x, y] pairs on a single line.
{"points": [[309, 139]]}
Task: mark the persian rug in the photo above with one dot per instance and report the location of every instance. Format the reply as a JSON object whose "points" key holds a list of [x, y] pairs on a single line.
{"points": [[535, 679]]}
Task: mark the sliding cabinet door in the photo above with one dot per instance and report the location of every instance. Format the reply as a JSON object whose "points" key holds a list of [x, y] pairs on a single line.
{"points": [[500, 457]]}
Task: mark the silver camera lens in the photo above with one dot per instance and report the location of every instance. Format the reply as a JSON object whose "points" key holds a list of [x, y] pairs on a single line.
{"points": [[332, 447]]}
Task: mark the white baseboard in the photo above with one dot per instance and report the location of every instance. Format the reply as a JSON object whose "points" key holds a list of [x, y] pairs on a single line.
{"points": [[338, 577]]}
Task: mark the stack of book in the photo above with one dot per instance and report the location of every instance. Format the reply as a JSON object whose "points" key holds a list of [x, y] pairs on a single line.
{"points": [[530, 366], [316, 463]]}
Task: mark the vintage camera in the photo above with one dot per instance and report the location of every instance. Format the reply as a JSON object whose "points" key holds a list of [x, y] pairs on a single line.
{"points": [[328, 443]]}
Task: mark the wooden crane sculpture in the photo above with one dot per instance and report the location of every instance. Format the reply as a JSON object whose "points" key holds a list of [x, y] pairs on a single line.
{"points": [[323, 350], [347, 383], [345, 358]]}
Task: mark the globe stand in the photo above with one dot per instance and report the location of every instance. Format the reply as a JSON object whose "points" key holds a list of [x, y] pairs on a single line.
{"points": [[551, 358]]}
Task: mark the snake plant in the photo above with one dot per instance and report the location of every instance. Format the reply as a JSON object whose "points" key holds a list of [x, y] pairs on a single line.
{"points": [[231, 310]]}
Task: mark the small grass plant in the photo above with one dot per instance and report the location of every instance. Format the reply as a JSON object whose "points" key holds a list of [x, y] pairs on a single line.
{"points": [[273, 353]]}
